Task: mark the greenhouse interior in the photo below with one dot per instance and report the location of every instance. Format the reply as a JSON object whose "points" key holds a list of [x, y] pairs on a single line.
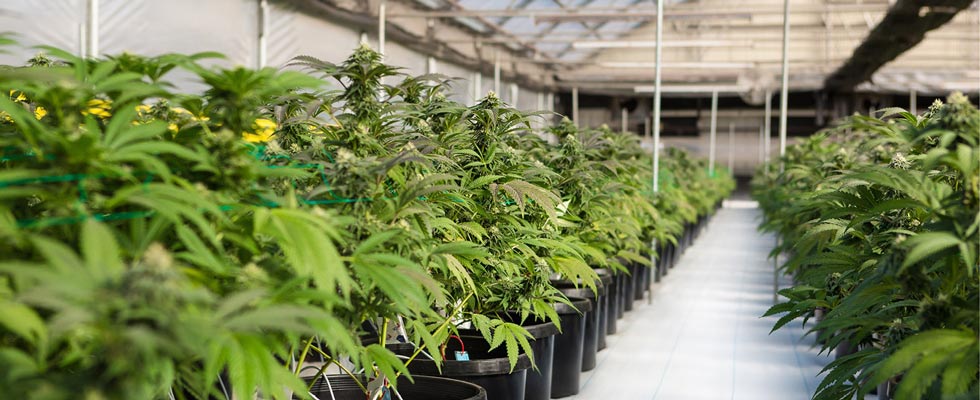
{"points": [[489, 199]]}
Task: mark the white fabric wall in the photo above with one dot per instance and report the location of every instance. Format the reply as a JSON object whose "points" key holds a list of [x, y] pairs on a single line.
{"points": [[55, 23], [462, 86], [230, 27], [292, 33], [181, 26]]}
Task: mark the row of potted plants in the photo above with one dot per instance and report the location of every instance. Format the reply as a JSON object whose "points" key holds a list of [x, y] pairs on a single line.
{"points": [[347, 218], [879, 217]]}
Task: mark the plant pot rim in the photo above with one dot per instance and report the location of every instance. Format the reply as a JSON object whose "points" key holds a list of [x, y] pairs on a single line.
{"points": [[579, 305], [474, 367], [600, 286], [346, 382], [584, 292]]}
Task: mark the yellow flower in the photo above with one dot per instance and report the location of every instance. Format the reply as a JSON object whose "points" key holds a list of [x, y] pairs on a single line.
{"points": [[264, 130], [40, 112], [20, 96], [142, 109], [198, 118], [172, 127], [99, 108]]}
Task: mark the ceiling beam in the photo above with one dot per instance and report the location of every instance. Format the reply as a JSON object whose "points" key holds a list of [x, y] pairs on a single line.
{"points": [[697, 10], [903, 27]]}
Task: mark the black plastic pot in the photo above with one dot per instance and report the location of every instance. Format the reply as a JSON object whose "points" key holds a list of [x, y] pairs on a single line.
{"points": [[538, 384], [612, 301], [569, 343], [602, 309], [488, 369], [641, 279], [630, 293], [342, 387], [621, 288], [590, 346]]}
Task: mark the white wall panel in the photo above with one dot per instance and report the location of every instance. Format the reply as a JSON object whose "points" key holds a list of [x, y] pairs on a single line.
{"points": [[292, 33], [151, 27], [230, 27], [461, 88], [410, 62], [55, 23]]}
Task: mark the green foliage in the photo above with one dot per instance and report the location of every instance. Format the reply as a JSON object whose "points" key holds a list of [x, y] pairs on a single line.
{"points": [[156, 244], [879, 217]]}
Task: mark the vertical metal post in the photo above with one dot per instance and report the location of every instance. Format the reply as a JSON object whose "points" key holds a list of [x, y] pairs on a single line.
{"points": [[514, 92], [430, 65], [382, 20], [477, 86], [658, 53], [775, 275], [762, 145], [92, 31], [768, 128], [714, 126], [784, 95], [783, 105], [731, 148], [82, 41], [913, 102], [262, 59], [624, 116], [496, 72], [540, 103], [575, 105]]}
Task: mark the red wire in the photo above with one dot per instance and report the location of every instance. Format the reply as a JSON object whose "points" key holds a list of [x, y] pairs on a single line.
{"points": [[462, 346]]}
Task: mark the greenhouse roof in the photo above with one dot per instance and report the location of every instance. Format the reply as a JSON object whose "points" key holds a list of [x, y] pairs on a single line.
{"points": [[608, 45]]}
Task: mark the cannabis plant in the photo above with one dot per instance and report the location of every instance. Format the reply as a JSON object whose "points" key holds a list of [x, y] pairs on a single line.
{"points": [[879, 216]]}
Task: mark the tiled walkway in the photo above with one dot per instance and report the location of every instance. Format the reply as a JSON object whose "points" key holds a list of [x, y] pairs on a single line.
{"points": [[702, 337]]}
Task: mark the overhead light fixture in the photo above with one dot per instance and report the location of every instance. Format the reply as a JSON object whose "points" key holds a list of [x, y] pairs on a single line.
{"points": [[692, 89], [676, 65], [613, 44]]}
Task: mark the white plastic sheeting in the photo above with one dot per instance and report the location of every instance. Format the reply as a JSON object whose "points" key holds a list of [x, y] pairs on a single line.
{"points": [[57, 23], [230, 27], [152, 28]]}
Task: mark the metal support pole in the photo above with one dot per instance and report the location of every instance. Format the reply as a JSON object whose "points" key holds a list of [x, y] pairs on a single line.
{"points": [[784, 95], [656, 96], [768, 128], [783, 101], [382, 9], [731, 148], [477, 86], [496, 72], [775, 275], [762, 145], [92, 31], [624, 116], [540, 123], [714, 126], [514, 93], [913, 102], [262, 59], [430, 65], [575, 105]]}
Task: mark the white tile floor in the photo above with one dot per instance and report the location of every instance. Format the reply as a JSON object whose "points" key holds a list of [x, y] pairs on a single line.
{"points": [[702, 337]]}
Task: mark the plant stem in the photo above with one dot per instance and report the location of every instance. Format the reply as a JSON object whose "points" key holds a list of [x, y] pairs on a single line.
{"points": [[302, 357], [418, 349], [341, 366]]}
